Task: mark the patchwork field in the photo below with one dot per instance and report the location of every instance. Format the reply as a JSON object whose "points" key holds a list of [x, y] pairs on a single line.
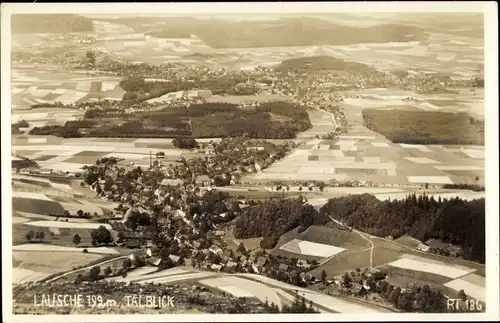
{"points": [[37, 85], [465, 100], [69, 155], [366, 156]]}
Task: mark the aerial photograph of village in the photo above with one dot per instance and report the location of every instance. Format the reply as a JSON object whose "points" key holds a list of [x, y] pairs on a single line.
{"points": [[221, 164]]}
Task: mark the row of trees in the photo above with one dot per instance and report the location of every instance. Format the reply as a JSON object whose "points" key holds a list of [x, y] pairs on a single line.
{"points": [[465, 186], [32, 235], [456, 221]]}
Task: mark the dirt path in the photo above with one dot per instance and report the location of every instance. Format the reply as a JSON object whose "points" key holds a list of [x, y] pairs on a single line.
{"points": [[372, 245]]}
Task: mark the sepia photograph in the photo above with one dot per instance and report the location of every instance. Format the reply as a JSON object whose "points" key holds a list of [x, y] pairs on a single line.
{"points": [[249, 159]]}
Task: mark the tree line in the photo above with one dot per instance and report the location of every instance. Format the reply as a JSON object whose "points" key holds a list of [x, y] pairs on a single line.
{"points": [[456, 221]]}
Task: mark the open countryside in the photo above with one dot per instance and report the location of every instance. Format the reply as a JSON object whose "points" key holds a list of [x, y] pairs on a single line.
{"points": [[269, 171]]}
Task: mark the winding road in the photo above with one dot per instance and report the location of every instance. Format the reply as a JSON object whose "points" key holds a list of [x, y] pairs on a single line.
{"points": [[85, 268], [362, 235]]}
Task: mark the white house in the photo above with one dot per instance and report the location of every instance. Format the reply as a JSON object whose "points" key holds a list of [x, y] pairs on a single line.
{"points": [[423, 247]]}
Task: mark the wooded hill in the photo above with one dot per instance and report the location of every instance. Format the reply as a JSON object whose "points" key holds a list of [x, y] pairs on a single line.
{"points": [[425, 127], [324, 63], [455, 221]]}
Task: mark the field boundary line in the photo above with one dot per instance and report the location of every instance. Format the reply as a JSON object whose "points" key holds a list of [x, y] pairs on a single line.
{"points": [[84, 268]]}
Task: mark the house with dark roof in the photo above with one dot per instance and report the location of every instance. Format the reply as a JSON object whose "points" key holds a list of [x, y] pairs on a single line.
{"points": [[283, 267]]}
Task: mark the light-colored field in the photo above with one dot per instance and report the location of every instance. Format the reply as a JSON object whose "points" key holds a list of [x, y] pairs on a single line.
{"points": [[429, 266], [241, 287], [272, 282], [31, 195], [463, 167], [175, 278], [22, 275], [19, 219], [70, 225], [421, 160], [371, 159], [37, 140], [476, 291], [32, 266], [38, 247], [418, 147], [36, 216], [162, 274], [58, 261], [430, 179], [338, 305], [62, 187], [311, 248], [380, 144], [475, 279], [474, 153]]}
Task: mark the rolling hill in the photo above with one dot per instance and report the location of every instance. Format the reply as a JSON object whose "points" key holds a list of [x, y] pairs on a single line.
{"points": [[295, 31], [50, 23]]}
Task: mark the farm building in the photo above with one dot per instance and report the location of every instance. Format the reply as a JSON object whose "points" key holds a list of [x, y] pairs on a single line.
{"points": [[174, 258]]}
